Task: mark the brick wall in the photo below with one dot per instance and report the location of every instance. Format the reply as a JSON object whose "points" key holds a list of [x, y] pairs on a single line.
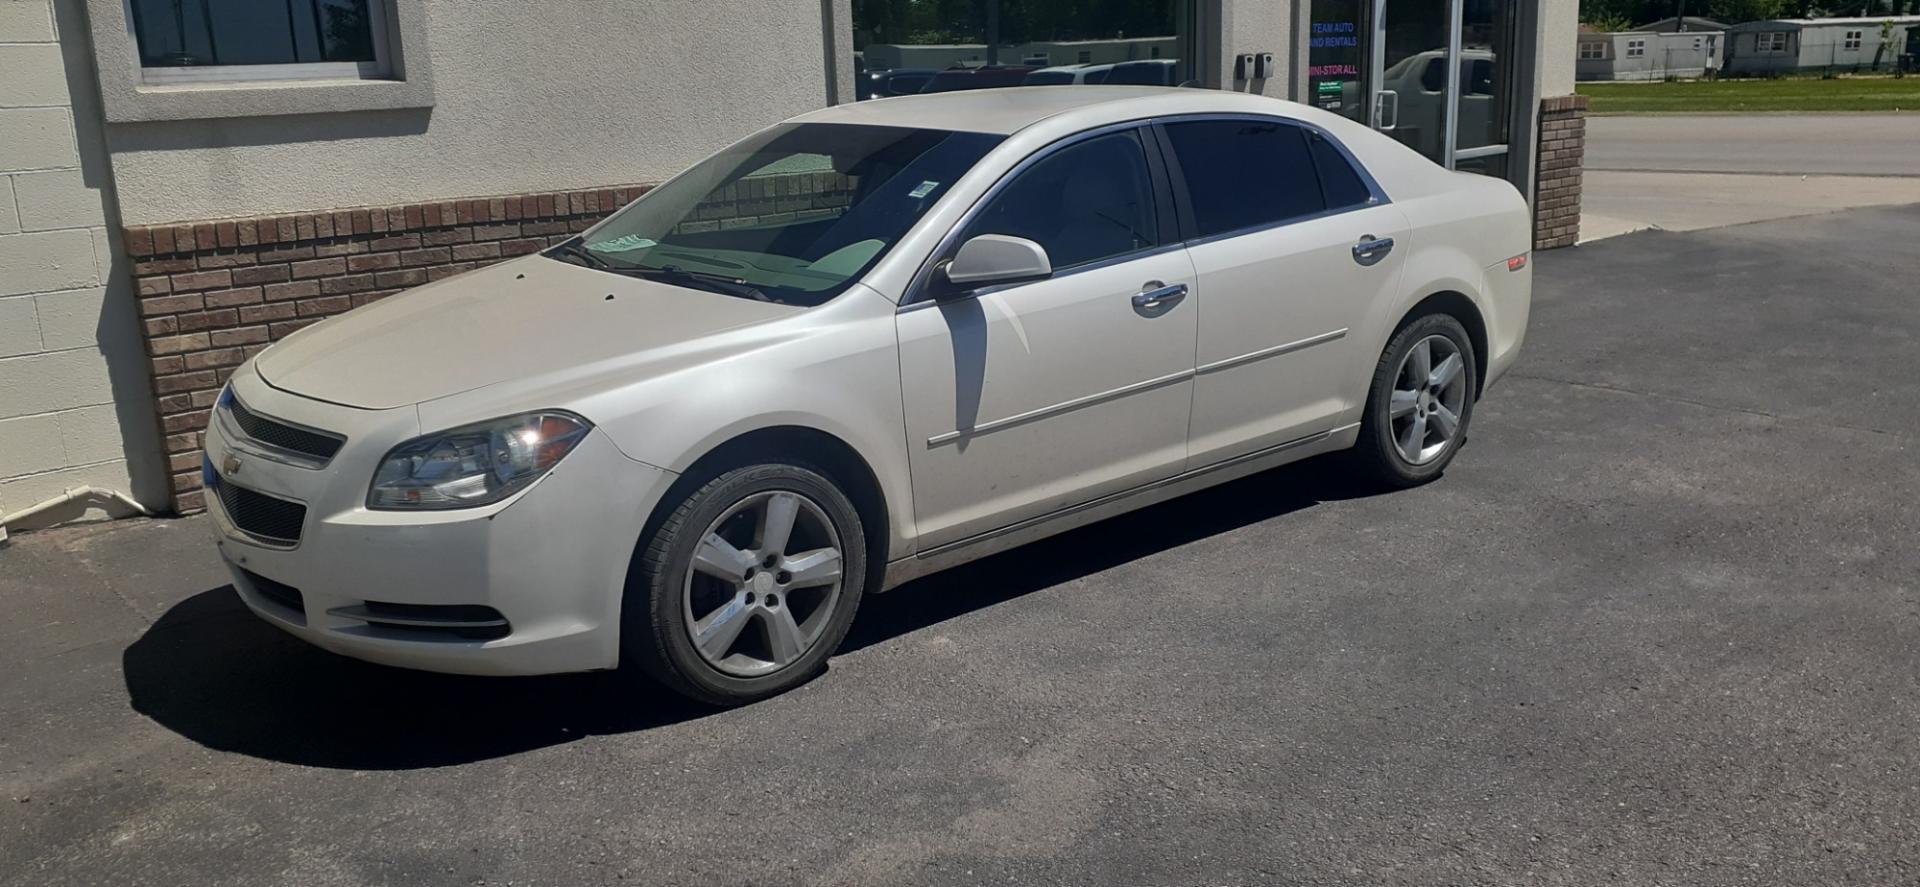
{"points": [[1563, 145], [212, 294]]}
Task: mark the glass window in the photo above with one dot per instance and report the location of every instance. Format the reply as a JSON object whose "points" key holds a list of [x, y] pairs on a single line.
{"points": [[331, 37], [1339, 181], [1088, 201], [1591, 51], [1853, 40], [1244, 173], [795, 215], [996, 43], [1636, 48]]}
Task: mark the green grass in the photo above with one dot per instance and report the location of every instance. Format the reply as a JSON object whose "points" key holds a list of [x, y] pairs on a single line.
{"points": [[1809, 94]]}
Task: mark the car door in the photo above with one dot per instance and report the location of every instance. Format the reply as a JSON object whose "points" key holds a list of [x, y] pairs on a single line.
{"points": [[1025, 399], [1293, 244]]}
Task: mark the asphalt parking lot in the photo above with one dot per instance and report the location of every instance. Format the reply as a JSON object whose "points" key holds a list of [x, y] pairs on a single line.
{"points": [[1657, 625]]}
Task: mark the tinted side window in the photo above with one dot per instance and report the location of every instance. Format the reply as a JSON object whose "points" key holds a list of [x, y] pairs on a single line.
{"points": [[1086, 202], [1243, 173], [1342, 184]]}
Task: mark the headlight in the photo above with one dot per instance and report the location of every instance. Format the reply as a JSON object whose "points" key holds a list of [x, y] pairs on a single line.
{"points": [[476, 464]]}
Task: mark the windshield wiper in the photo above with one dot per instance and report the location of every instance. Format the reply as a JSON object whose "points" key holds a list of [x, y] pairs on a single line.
{"points": [[719, 283], [573, 249]]}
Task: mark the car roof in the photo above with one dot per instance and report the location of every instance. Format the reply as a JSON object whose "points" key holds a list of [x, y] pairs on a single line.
{"points": [[1008, 110]]}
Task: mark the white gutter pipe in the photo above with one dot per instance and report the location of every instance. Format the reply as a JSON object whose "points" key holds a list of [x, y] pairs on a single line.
{"points": [[71, 495]]}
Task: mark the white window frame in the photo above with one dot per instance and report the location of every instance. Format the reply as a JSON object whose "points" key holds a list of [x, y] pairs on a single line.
{"points": [[1853, 40], [1770, 41], [1592, 50], [1636, 49], [379, 69]]}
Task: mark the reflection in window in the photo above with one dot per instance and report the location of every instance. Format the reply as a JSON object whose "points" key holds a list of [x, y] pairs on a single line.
{"points": [[1486, 79], [977, 44], [1084, 203], [199, 33]]}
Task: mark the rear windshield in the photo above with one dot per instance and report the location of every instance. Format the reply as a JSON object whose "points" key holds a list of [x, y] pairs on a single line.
{"points": [[795, 214]]}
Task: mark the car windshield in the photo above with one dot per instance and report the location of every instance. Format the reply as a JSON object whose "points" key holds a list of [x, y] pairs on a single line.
{"points": [[795, 214]]}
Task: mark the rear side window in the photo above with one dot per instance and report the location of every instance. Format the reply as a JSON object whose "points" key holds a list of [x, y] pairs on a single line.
{"points": [[1245, 173], [1340, 181]]}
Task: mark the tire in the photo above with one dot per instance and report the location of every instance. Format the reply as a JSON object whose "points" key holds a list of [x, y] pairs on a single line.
{"points": [[676, 586], [1381, 452]]}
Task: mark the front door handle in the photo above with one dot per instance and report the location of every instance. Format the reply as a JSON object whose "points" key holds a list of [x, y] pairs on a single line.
{"points": [[1370, 250], [1155, 298]]}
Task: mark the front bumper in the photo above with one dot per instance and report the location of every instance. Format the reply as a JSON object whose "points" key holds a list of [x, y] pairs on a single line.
{"points": [[552, 560]]}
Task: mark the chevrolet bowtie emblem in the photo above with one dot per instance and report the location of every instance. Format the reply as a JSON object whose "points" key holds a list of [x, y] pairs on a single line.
{"points": [[230, 465]]}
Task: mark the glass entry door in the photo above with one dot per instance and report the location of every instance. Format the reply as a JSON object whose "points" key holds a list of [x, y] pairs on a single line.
{"points": [[1433, 73]]}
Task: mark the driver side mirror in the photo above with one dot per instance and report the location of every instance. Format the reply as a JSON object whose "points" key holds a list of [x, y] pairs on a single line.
{"points": [[993, 259]]}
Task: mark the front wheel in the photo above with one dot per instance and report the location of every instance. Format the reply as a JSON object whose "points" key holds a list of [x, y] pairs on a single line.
{"points": [[1419, 403], [747, 586]]}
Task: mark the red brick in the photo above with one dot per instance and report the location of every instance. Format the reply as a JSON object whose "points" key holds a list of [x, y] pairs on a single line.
{"points": [[319, 268], [158, 305], [203, 236], [298, 289], [287, 230], [339, 248], [342, 223], [470, 251], [148, 267], [513, 208], [222, 357], [446, 236], [162, 326], [139, 240], [202, 280], [284, 328], [202, 320], [320, 306], [284, 254], [246, 335], [192, 502], [176, 403], [495, 232], [323, 226], [184, 462], [352, 283], [224, 259], [178, 344], [259, 274], [523, 247], [155, 286], [408, 277], [229, 298], [432, 256], [264, 313], [183, 238], [248, 233], [442, 272], [182, 443], [163, 239], [179, 382], [303, 228], [415, 216], [402, 241], [362, 222], [373, 262], [463, 212], [163, 366], [377, 221]]}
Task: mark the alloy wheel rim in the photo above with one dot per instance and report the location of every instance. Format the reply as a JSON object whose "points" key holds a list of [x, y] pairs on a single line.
{"points": [[763, 585], [1429, 397]]}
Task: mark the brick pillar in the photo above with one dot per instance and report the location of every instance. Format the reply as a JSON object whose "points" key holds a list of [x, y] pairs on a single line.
{"points": [[1556, 191]]}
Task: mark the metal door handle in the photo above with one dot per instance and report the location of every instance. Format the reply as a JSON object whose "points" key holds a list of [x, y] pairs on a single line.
{"points": [[1156, 295], [1370, 250]]}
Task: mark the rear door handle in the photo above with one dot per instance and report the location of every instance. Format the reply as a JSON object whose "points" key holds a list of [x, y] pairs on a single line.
{"points": [[1155, 298], [1370, 250]]}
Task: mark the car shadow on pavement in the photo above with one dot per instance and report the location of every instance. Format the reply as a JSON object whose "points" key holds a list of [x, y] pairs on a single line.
{"points": [[213, 672]]}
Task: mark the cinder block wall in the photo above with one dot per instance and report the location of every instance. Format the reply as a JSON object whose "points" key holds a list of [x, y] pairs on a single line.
{"points": [[70, 347]]}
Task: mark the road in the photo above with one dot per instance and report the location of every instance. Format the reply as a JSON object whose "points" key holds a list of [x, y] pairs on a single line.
{"points": [[1788, 144], [1690, 172], [1657, 625]]}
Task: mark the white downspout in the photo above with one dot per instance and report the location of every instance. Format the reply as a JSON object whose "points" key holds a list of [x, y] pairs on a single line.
{"points": [[76, 493]]}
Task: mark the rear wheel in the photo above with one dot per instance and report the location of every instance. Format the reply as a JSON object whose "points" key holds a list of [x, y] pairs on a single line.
{"points": [[1419, 403], [748, 585]]}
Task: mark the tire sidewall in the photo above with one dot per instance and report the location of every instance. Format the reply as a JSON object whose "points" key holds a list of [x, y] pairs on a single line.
{"points": [[665, 580], [1379, 398]]}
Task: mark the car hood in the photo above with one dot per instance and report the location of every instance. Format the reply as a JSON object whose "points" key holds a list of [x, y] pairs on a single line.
{"points": [[519, 319]]}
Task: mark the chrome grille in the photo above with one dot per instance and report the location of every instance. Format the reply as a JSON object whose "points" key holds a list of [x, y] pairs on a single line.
{"points": [[275, 433]]}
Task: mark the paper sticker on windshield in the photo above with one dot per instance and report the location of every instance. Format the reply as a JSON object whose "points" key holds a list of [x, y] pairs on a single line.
{"points": [[923, 190], [625, 244]]}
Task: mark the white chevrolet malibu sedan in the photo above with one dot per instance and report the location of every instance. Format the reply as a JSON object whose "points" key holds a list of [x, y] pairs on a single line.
{"points": [[866, 344]]}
